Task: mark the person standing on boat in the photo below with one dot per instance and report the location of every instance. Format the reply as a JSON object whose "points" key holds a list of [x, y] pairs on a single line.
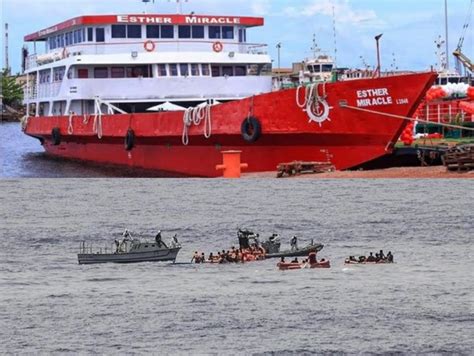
{"points": [[158, 239], [294, 243], [175, 242]]}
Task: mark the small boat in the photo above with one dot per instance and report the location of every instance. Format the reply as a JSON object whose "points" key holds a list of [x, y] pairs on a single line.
{"points": [[272, 245], [349, 262], [131, 250], [293, 265]]}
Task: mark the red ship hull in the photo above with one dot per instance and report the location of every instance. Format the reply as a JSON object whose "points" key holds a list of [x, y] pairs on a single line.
{"points": [[350, 138]]}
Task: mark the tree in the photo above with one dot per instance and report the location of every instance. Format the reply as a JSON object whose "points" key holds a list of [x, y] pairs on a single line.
{"points": [[11, 91]]}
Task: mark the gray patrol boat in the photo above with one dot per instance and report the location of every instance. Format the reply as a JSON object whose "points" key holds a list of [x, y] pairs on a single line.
{"points": [[131, 250]]}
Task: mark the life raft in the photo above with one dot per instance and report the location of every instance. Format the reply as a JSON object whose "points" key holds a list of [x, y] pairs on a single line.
{"points": [[294, 266]]}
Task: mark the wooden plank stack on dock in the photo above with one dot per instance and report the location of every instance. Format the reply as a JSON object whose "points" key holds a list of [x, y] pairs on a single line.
{"points": [[298, 167], [460, 158]]}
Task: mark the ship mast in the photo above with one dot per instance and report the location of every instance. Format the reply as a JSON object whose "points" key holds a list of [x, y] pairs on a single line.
{"points": [[447, 33], [179, 5]]}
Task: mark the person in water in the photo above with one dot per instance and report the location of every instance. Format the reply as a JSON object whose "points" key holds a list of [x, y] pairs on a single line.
{"points": [[389, 257], [196, 258], [371, 258]]}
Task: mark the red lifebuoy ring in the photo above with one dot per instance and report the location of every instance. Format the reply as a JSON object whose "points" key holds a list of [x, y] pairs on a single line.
{"points": [[149, 46], [218, 47]]}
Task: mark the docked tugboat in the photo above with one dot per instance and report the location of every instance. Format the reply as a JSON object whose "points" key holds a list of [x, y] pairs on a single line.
{"points": [[132, 250], [272, 245]]}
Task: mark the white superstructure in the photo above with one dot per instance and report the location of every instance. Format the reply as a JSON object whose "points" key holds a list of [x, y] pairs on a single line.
{"points": [[138, 61]]}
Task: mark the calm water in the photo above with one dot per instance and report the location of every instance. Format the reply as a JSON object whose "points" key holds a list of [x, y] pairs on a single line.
{"points": [[51, 305]]}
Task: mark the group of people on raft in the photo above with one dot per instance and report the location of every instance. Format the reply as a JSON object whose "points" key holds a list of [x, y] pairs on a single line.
{"points": [[233, 255], [378, 258]]}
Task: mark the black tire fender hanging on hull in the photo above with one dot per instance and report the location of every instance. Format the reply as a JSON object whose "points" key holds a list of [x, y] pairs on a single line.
{"points": [[130, 140], [251, 129], [56, 136]]}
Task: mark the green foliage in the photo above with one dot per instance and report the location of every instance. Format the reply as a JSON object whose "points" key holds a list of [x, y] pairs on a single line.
{"points": [[11, 91]]}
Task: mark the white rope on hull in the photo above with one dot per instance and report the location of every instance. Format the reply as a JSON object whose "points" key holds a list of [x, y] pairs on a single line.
{"points": [[195, 116]]}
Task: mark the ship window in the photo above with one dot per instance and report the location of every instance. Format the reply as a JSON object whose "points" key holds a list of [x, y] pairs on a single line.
{"points": [[83, 73], [228, 71], [90, 34], [184, 69], [205, 70], [228, 32], [195, 70], [153, 31], [119, 31], [100, 34], [79, 36], [117, 72], [214, 32], [61, 40], [216, 71], [138, 72], [327, 68], [184, 31], [153, 245], [58, 74], [134, 31], [101, 73], [174, 70], [162, 72], [242, 35], [198, 31], [240, 71], [51, 43], [167, 31]]}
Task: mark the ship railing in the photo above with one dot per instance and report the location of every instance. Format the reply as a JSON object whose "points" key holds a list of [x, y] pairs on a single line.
{"points": [[31, 61], [88, 249], [445, 112]]}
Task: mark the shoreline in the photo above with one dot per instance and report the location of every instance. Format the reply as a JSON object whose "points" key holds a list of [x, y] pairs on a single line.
{"points": [[438, 172]]}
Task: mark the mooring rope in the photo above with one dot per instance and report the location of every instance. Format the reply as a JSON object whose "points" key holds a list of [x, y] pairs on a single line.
{"points": [[393, 116]]}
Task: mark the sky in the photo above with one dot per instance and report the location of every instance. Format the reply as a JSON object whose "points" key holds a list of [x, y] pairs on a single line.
{"points": [[410, 27]]}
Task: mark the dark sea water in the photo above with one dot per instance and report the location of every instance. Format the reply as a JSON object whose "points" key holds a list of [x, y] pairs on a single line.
{"points": [[422, 304]]}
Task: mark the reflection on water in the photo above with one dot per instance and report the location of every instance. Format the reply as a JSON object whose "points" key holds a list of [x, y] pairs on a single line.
{"points": [[22, 156]]}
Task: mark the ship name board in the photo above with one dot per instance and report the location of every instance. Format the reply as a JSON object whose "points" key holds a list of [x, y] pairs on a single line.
{"points": [[47, 31], [172, 20], [373, 97]]}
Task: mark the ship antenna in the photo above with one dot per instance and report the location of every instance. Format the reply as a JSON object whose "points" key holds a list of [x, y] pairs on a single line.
{"points": [[146, 4], [315, 47], [179, 5], [335, 33]]}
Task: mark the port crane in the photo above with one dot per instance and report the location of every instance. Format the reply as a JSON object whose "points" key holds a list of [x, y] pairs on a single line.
{"points": [[461, 58]]}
